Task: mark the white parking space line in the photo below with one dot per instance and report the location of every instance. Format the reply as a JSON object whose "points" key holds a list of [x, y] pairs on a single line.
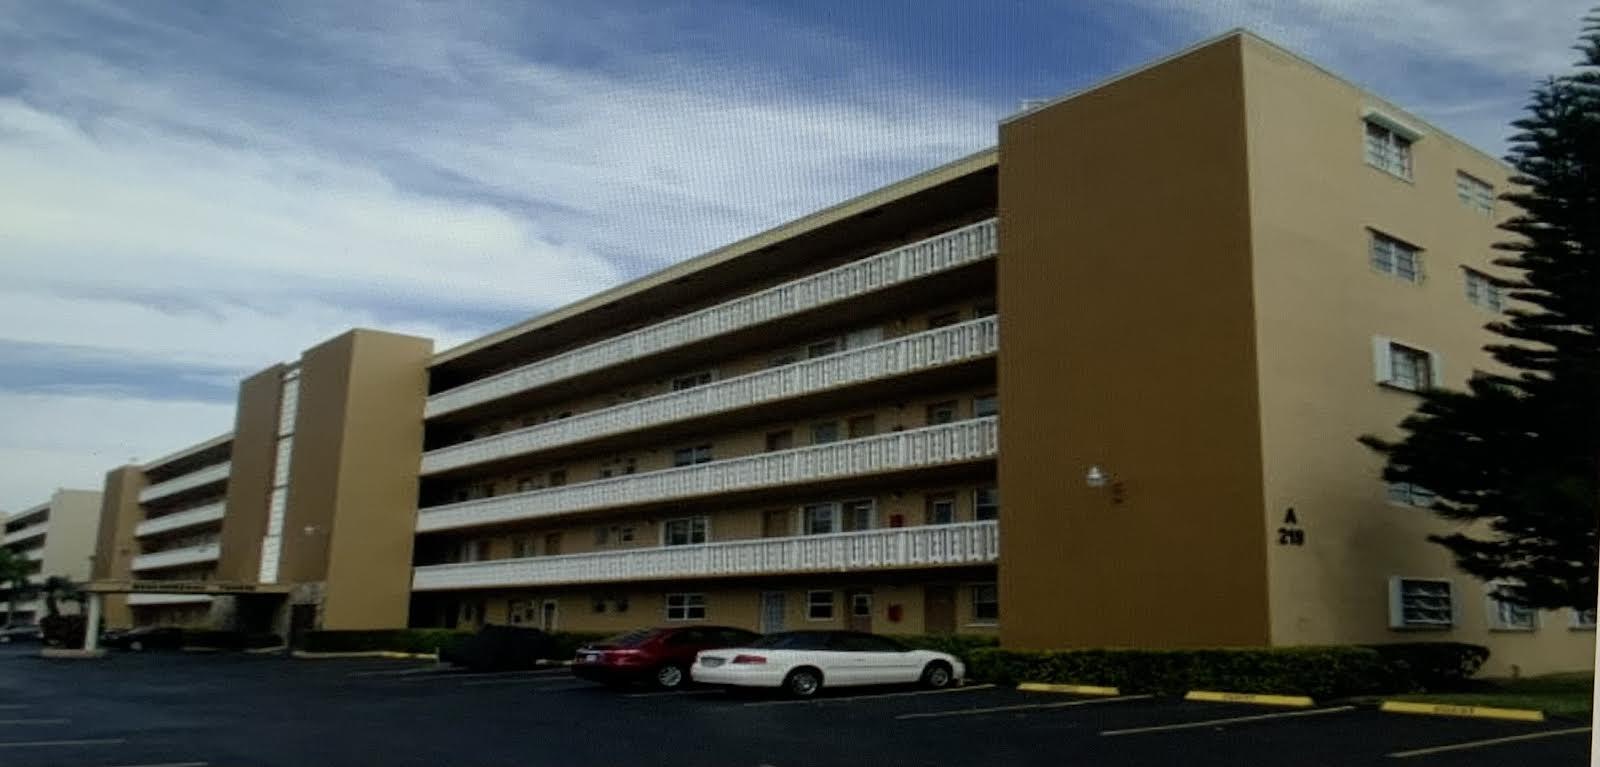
{"points": [[1229, 720], [33, 721], [1021, 707], [48, 743], [1490, 742], [852, 698]]}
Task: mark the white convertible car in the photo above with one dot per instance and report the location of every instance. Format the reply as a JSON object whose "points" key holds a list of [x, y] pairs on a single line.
{"points": [[801, 662]]}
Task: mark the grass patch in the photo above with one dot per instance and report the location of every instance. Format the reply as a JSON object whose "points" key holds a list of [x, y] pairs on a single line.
{"points": [[1555, 694]]}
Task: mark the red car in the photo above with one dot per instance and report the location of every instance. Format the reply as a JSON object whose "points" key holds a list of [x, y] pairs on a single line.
{"points": [[660, 656]]}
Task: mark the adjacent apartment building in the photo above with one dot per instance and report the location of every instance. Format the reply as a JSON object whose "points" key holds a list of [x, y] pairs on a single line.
{"points": [[57, 538], [1098, 386]]}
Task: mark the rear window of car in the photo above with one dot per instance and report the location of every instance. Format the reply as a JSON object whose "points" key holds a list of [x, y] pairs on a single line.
{"points": [[630, 639], [793, 641]]}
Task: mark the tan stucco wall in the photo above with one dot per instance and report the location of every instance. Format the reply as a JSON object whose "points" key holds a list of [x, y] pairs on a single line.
{"points": [[255, 445], [370, 499], [1126, 343], [71, 538], [1319, 305], [115, 547]]}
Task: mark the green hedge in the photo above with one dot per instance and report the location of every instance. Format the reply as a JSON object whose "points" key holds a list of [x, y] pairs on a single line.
{"points": [[1321, 672], [423, 641], [961, 646], [1431, 666], [229, 640]]}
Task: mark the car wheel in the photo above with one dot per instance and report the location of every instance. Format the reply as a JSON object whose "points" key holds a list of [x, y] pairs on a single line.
{"points": [[671, 676], [136, 646], [803, 682], [937, 675]]}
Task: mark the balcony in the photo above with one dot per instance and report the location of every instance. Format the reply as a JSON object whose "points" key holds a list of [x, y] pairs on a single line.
{"points": [[34, 555], [858, 278], [908, 354], [930, 446], [970, 543], [26, 534], [182, 520], [206, 476], [151, 600], [188, 555]]}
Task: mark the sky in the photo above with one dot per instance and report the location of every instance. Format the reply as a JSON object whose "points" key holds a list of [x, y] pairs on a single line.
{"points": [[193, 191]]}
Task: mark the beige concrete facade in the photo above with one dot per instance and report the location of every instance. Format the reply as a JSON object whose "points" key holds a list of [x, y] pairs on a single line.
{"points": [[1189, 318]]}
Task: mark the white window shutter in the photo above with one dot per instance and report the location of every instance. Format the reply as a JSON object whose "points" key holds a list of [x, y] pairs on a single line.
{"points": [[1382, 365]]}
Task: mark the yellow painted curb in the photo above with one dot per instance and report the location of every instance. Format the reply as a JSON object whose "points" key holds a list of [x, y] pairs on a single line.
{"points": [[1075, 689], [1446, 709], [1209, 696]]}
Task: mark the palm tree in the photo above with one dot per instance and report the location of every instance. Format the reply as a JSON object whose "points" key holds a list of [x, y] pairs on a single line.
{"points": [[14, 571], [57, 588]]}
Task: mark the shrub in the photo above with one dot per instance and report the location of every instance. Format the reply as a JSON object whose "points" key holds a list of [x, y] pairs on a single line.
{"points": [[566, 643], [1431, 666], [63, 630], [1320, 672], [229, 640], [959, 645]]}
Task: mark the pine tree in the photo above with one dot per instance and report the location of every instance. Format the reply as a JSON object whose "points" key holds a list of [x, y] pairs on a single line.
{"points": [[1518, 453]]}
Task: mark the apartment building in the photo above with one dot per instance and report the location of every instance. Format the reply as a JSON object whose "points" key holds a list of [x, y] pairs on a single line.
{"points": [[1190, 289], [57, 538]]}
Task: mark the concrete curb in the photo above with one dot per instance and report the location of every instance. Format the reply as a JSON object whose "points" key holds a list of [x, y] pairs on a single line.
{"points": [[1476, 712], [1071, 689], [1211, 696], [59, 653], [306, 655]]}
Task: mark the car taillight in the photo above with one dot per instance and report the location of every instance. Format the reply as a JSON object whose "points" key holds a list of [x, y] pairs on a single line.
{"points": [[752, 659]]}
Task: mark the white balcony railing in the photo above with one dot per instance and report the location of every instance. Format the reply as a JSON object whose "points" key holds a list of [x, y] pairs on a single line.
{"points": [[195, 517], [34, 555], [949, 443], [968, 543], [147, 600], [907, 354], [857, 278], [188, 555], [208, 475], [27, 533]]}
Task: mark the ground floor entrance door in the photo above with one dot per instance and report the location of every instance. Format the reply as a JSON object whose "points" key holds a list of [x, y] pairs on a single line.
{"points": [[772, 607], [547, 615], [939, 610], [860, 610]]}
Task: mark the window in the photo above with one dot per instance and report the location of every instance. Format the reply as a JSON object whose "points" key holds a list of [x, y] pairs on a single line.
{"points": [[1404, 367], [686, 607], [825, 432], [1420, 603], [819, 605], [1396, 258], [558, 478], [606, 534], [689, 456], [473, 551], [1505, 615], [780, 440], [985, 603], [942, 319], [1411, 495], [941, 509], [692, 380], [521, 547], [785, 359], [863, 426], [985, 405], [1484, 291], [856, 515], [1583, 620], [819, 519], [525, 484], [861, 605], [1388, 150], [822, 348], [941, 412], [1475, 193], [602, 535], [684, 532], [986, 503]]}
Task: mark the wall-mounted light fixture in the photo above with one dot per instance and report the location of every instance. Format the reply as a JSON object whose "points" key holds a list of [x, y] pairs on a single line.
{"points": [[1097, 478]]}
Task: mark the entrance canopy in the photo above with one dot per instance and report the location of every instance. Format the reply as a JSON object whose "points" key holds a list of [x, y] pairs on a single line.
{"points": [[184, 587]]}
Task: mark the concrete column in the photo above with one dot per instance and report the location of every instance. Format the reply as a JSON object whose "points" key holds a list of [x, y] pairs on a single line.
{"points": [[91, 629]]}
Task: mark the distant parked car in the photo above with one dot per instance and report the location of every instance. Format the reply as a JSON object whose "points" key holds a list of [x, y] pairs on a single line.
{"points": [[802, 662], [500, 648], [144, 638], [20, 633], [660, 656]]}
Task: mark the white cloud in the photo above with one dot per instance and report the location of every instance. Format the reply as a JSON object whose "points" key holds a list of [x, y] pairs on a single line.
{"points": [[71, 440]]}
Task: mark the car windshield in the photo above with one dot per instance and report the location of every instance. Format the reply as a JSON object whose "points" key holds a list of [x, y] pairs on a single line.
{"points": [[630, 639], [797, 640]]}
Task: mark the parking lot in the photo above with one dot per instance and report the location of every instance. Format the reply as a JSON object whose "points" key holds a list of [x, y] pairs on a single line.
{"points": [[200, 710]]}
